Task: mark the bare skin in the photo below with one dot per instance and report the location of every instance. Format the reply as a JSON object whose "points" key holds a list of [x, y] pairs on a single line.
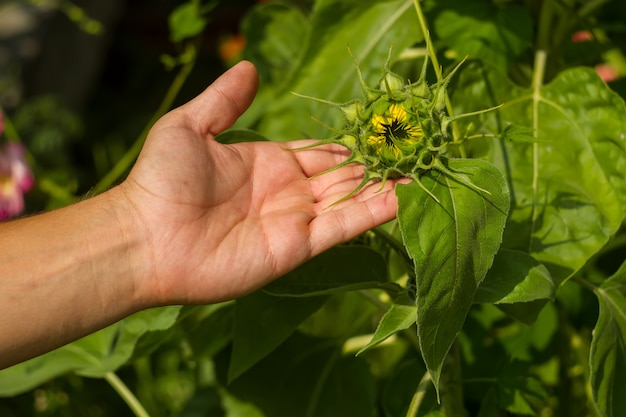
{"points": [[195, 222]]}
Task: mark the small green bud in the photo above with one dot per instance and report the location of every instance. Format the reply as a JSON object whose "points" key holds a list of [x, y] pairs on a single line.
{"points": [[420, 89], [392, 84], [352, 111]]}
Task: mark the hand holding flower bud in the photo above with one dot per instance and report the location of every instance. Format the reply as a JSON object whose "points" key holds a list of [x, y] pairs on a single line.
{"points": [[400, 130]]}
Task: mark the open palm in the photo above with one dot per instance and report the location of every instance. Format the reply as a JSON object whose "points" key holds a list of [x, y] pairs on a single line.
{"points": [[223, 220]]}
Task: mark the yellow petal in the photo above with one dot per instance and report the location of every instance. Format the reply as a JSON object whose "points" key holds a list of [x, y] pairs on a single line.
{"points": [[397, 112], [375, 140], [378, 121]]}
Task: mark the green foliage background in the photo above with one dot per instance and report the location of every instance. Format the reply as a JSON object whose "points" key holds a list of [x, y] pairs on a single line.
{"points": [[508, 303]]}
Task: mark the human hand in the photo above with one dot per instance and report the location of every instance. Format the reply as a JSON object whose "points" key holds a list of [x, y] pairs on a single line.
{"points": [[219, 221]]}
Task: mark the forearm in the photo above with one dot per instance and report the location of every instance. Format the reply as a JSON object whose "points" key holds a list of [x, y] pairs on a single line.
{"points": [[63, 275]]}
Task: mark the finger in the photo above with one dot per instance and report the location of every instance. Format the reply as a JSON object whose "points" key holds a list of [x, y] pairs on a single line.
{"points": [[221, 103], [316, 160]]}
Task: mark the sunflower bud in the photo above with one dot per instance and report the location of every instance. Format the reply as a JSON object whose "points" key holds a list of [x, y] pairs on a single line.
{"points": [[400, 129]]}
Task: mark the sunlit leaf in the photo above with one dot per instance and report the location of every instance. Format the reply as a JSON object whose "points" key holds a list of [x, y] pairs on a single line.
{"points": [[186, 21], [326, 69], [276, 34], [515, 277], [401, 315], [568, 190], [481, 29]]}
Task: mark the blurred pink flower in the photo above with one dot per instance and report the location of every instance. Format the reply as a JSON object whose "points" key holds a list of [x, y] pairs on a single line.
{"points": [[605, 70], [16, 177], [582, 36]]}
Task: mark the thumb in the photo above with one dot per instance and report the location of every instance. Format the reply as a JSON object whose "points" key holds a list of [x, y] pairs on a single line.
{"points": [[219, 106]]}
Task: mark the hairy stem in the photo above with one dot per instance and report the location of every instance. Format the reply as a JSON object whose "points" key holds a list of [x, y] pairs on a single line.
{"points": [[432, 54]]}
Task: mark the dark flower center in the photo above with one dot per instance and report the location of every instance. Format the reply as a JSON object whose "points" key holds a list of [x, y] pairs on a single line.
{"points": [[395, 130]]}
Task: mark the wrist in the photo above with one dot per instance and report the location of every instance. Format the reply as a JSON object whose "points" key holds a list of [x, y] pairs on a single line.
{"points": [[133, 235]]}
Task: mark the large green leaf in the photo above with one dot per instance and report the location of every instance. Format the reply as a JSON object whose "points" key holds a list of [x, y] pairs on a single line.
{"points": [[276, 34], [326, 70], [453, 244], [304, 377], [608, 347], [520, 285], [568, 189], [262, 323], [186, 21], [265, 319], [339, 269], [481, 29], [94, 355]]}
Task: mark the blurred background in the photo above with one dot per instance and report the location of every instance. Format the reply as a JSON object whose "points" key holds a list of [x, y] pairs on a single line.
{"points": [[79, 80]]}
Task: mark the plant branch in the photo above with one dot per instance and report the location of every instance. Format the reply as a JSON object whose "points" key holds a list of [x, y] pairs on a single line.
{"points": [[539, 69], [538, 74], [126, 394], [585, 284], [418, 397], [129, 157]]}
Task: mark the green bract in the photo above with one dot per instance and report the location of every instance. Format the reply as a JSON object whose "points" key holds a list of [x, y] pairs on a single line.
{"points": [[400, 129]]}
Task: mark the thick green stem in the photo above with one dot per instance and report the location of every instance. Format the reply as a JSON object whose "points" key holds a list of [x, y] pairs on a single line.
{"points": [[451, 384], [129, 157], [126, 394], [544, 32], [540, 65], [539, 69], [432, 54]]}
